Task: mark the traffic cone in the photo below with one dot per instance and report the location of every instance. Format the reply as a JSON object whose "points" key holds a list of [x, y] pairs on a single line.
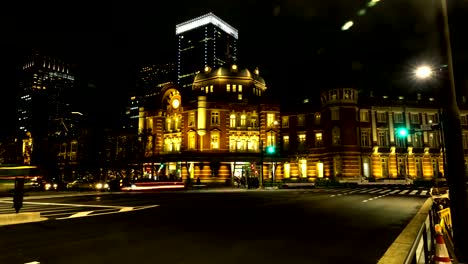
{"points": [[441, 252]]}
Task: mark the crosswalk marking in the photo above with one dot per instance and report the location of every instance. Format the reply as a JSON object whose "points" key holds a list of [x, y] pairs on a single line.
{"points": [[59, 211], [413, 192], [384, 191], [395, 191], [423, 193], [403, 192]]}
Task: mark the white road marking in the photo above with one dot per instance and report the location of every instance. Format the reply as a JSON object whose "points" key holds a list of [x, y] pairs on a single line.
{"points": [[413, 192], [33, 262], [332, 195], [395, 191], [403, 192], [384, 191], [80, 214], [126, 209], [423, 193], [378, 190], [369, 190], [114, 212]]}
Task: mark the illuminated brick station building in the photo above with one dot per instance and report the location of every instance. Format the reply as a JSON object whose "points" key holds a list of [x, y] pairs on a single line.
{"points": [[217, 133]]}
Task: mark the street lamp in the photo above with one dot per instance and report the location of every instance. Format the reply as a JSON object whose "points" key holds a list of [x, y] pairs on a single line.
{"points": [[425, 72]]}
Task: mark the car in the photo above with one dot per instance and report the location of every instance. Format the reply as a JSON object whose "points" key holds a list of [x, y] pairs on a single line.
{"points": [[101, 186], [80, 184]]}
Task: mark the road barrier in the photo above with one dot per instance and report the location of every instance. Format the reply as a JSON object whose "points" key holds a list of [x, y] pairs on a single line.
{"points": [[441, 252]]}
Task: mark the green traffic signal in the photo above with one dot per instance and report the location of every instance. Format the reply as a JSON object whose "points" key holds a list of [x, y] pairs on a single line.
{"points": [[402, 132], [271, 150]]}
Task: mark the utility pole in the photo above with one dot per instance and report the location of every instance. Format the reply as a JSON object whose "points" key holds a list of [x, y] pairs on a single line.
{"points": [[454, 155]]}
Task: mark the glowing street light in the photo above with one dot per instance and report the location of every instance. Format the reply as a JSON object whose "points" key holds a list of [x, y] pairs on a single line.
{"points": [[347, 25], [423, 72]]}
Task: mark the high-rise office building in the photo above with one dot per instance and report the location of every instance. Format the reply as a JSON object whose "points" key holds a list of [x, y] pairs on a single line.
{"points": [[43, 96], [151, 78], [44, 85], [203, 41]]}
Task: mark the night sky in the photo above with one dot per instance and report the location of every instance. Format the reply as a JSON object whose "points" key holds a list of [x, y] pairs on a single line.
{"points": [[297, 45]]}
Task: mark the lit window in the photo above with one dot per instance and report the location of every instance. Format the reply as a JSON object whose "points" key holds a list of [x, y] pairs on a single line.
{"points": [[253, 121], [239, 96], [287, 170], [215, 140], [240, 88], [317, 118], [301, 138], [232, 120], [270, 119], [243, 118], [318, 140], [234, 88], [191, 140], [211, 88], [191, 119], [228, 87]]}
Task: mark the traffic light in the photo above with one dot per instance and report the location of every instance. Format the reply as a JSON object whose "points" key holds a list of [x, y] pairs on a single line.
{"points": [[271, 150], [402, 132]]}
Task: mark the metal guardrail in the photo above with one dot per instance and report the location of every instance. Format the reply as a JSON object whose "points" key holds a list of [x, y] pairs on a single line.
{"points": [[423, 247]]}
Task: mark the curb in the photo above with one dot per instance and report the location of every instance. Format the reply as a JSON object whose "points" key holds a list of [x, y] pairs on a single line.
{"points": [[36, 197], [20, 218], [400, 248]]}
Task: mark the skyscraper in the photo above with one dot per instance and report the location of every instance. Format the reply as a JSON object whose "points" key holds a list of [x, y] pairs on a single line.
{"points": [[151, 78], [45, 82], [203, 41], [43, 97]]}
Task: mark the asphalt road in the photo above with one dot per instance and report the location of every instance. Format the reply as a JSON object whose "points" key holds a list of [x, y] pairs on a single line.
{"points": [[299, 226]]}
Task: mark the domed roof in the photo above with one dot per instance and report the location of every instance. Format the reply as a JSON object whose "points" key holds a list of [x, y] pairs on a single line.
{"points": [[229, 71]]}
